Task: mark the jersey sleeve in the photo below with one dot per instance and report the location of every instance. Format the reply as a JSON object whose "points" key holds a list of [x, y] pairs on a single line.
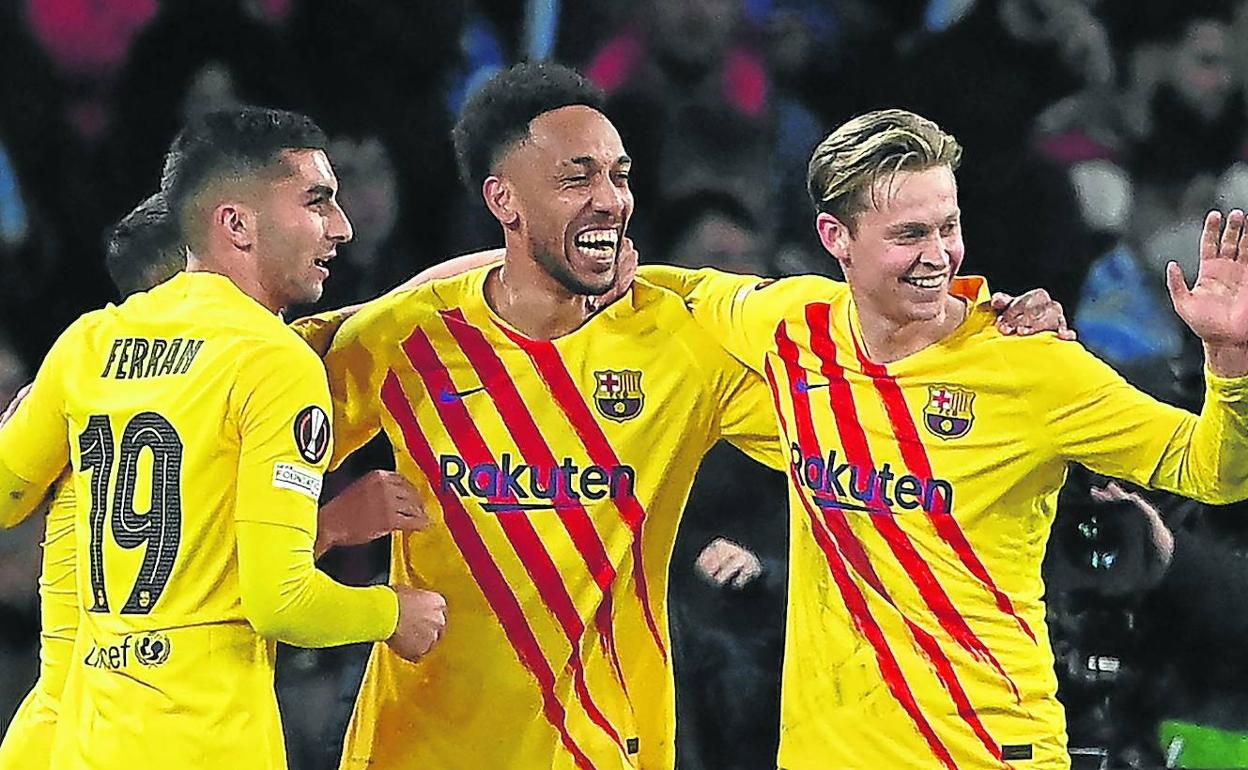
{"points": [[34, 443], [731, 308], [352, 369], [1095, 418], [746, 418], [285, 436], [319, 330]]}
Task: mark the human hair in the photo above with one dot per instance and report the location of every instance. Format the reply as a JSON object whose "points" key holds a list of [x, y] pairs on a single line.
{"points": [[846, 166], [144, 248], [497, 116], [230, 145]]}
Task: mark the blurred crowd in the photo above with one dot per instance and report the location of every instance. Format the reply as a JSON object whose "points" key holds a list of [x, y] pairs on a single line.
{"points": [[1096, 135]]}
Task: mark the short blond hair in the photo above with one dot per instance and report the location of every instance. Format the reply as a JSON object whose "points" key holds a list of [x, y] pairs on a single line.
{"points": [[846, 166]]}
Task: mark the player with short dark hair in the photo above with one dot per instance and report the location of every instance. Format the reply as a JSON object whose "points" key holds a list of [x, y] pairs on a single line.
{"points": [[196, 428], [144, 248], [542, 433], [494, 121], [557, 432]]}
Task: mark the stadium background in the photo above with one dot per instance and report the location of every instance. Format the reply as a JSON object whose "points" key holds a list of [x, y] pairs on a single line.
{"points": [[1096, 134]]}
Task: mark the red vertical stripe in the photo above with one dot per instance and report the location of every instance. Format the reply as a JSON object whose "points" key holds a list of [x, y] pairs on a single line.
{"points": [[553, 371], [517, 527], [914, 455], [858, 453], [536, 451], [855, 602], [857, 556], [482, 567]]}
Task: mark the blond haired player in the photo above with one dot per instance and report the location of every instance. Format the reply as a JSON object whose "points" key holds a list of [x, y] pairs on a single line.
{"points": [[196, 427], [555, 437], [925, 455]]}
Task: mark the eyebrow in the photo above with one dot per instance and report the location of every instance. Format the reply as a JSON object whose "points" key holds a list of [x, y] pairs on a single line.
{"points": [[903, 227], [589, 160]]}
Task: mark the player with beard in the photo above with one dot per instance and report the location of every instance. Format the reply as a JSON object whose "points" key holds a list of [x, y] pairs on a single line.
{"points": [[143, 250], [555, 437], [195, 427], [555, 443]]}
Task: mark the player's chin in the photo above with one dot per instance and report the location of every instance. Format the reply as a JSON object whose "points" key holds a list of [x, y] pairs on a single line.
{"points": [[310, 291]]}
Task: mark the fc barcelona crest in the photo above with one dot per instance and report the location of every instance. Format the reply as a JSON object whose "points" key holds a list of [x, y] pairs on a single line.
{"points": [[618, 394], [948, 411]]}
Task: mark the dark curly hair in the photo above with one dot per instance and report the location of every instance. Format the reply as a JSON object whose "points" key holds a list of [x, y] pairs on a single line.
{"points": [[497, 116]]}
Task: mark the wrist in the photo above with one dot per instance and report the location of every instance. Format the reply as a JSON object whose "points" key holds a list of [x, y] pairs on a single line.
{"points": [[1227, 360]]}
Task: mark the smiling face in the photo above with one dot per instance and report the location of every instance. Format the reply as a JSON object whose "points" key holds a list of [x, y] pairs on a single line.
{"points": [[299, 225], [567, 185], [902, 252]]}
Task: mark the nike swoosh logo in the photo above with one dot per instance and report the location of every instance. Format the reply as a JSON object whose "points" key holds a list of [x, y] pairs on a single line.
{"points": [[451, 396], [803, 386]]}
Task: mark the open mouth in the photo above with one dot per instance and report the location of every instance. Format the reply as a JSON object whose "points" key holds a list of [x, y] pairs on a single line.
{"points": [[925, 281], [598, 244]]}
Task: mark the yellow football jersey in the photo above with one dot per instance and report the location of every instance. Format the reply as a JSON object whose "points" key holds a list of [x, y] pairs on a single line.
{"points": [[185, 413], [921, 496], [27, 744], [557, 471]]}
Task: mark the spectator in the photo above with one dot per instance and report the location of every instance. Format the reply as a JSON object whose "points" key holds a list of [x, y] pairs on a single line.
{"points": [[986, 78], [683, 67]]}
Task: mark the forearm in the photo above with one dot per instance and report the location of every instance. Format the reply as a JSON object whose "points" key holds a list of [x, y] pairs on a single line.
{"points": [[286, 598], [1208, 461], [18, 497], [453, 267]]}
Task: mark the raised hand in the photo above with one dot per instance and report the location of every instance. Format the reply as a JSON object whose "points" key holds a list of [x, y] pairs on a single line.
{"points": [[1216, 307]]}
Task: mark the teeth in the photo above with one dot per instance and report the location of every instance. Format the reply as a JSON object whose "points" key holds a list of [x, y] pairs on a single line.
{"points": [[927, 282], [594, 241]]}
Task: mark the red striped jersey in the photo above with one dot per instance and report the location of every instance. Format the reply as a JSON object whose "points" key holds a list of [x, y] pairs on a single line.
{"points": [[555, 472], [921, 496]]}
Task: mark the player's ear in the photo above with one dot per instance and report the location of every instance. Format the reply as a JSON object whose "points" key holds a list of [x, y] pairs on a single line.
{"points": [[500, 200], [237, 223], [834, 235]]}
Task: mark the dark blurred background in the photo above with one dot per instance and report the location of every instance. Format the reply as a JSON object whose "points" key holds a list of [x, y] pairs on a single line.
{"points": [[1096, 135]]}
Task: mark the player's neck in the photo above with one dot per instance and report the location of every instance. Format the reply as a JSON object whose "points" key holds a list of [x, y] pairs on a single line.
{"points": [[246, 283], [887, 339], [535, 304]]}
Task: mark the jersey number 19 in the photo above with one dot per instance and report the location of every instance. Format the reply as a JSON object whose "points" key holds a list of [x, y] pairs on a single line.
{"points": [[160, 529]]}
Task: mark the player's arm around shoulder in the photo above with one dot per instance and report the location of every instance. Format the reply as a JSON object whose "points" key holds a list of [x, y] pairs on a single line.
{"points": [[741, 312]]}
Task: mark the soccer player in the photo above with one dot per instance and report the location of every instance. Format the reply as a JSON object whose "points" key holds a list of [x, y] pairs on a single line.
{"points": [[145, 249], [926, 451], [196, 427], [142, 250], [556, 447]]}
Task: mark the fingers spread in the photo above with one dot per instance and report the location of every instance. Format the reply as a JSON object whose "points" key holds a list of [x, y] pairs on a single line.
{"points": [[1229, 246], [1209, 236]]}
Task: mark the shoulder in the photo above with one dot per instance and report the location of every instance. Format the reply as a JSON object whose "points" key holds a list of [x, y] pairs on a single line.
{"points": [[396, 313]]}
